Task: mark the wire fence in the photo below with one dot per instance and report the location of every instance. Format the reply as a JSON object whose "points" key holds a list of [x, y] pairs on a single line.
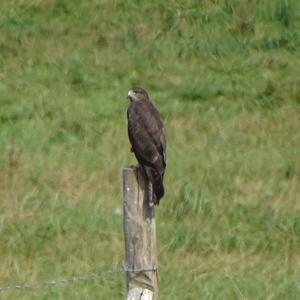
{"points": [[74, 279]]}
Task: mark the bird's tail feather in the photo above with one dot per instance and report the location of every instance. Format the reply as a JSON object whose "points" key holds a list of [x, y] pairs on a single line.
{"points": [[159, 190], [157, 183]]}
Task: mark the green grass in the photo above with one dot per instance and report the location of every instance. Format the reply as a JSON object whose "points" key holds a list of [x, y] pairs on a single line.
{"points": [[225, 77]]}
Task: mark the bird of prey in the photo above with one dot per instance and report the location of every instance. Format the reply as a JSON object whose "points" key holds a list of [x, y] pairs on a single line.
{"points": [[147, 137]]}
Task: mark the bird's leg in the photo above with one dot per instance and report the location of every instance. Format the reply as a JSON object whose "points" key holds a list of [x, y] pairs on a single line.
{"points": [[150, 194]]}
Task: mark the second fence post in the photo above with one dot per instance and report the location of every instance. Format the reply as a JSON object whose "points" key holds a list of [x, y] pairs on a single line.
{"points": [[140, 237]]}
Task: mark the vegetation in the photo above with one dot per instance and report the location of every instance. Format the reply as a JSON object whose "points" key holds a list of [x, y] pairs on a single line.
{"points": [[225, 76]]}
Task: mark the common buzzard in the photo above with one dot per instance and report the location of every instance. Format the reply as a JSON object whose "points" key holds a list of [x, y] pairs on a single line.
{"points": [[147, 138]]}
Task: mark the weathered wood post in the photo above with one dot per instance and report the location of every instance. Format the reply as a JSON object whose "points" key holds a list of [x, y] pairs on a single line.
{"points": [[140, 237]]}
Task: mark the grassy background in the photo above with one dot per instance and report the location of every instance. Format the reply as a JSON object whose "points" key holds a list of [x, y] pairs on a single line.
{"points": [[225, 76]]}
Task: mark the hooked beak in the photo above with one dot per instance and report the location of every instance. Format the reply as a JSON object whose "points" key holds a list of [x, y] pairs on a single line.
{"points": [[130, 95]]}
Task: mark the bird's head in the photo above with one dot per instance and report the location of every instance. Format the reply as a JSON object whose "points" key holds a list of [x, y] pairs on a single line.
{"points": [[137, 94]]}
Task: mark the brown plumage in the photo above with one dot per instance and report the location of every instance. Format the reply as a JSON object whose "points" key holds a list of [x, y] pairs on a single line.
{"points": [[147, 138]]}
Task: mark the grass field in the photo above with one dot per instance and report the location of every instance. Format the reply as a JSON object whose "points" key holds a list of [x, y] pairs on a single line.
{"points": [[225, 77]]}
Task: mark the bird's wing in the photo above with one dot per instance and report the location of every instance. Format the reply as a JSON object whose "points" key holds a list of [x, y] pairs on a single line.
{"points": [[163, 146], [146, 133]]}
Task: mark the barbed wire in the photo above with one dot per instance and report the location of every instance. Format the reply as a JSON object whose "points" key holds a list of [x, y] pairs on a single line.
{"points": [[74, 279]]}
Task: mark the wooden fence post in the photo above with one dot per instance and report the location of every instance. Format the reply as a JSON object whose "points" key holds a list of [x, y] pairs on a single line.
{"points": [[140, 237]]}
